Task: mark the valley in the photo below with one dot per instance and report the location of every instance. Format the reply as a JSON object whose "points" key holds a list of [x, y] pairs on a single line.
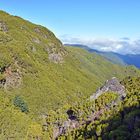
{"points": [[48, 90]]}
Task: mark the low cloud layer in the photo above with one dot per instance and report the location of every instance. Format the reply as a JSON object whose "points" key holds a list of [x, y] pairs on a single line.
{"points": [[122, 46]]}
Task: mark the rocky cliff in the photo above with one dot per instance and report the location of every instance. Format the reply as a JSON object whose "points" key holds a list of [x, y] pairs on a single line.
{"points": [[112, 85]]}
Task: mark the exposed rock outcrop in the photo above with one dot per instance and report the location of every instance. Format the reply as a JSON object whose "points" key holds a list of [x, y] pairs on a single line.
{"points": [[11, 79], [38, 30], [54, 55], [112, 85], [67, 125], [36, 40], [72, 122], [3, 26]]}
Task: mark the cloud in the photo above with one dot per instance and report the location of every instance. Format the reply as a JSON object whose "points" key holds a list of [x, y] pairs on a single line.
{"points": [[122, 45]]}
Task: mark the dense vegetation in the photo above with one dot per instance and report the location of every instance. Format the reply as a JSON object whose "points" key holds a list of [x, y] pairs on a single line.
{"points": [[117, 122], [40, 80]]}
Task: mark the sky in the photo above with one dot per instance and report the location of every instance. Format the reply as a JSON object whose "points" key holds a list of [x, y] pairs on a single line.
{"points": [[108, 25]]}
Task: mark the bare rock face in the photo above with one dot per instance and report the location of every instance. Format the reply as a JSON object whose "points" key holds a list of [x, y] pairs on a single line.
{"points": [[67, 125], [54, 47], [11, 79], [38, 30], [36, 40], [70, 124], [112, 85], [54, 55], [3, 26]]}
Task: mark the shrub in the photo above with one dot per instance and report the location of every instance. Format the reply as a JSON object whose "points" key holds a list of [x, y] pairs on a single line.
{"points": [[20, 103]]}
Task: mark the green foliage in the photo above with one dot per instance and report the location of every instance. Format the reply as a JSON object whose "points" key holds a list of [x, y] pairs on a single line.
{"points": [[120, 122], [47, 85], [51, 89], [20, 103], [15, 124]]}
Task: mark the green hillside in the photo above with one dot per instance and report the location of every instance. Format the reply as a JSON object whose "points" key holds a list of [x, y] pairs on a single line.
{"points": [[119, 121], [39, 75]]}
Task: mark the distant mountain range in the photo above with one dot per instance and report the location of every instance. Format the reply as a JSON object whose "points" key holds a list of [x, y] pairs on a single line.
{"points": [[128, 59]]}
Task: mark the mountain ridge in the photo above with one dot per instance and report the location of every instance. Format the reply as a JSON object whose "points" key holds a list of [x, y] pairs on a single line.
{"points": [[40, 78], [128, 59]]}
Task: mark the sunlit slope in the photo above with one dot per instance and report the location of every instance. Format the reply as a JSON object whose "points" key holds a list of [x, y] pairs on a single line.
{"points": [[51, 75]]}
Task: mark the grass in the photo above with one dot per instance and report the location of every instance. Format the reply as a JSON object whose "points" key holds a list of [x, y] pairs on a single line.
{"points": [[46, 85]]}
